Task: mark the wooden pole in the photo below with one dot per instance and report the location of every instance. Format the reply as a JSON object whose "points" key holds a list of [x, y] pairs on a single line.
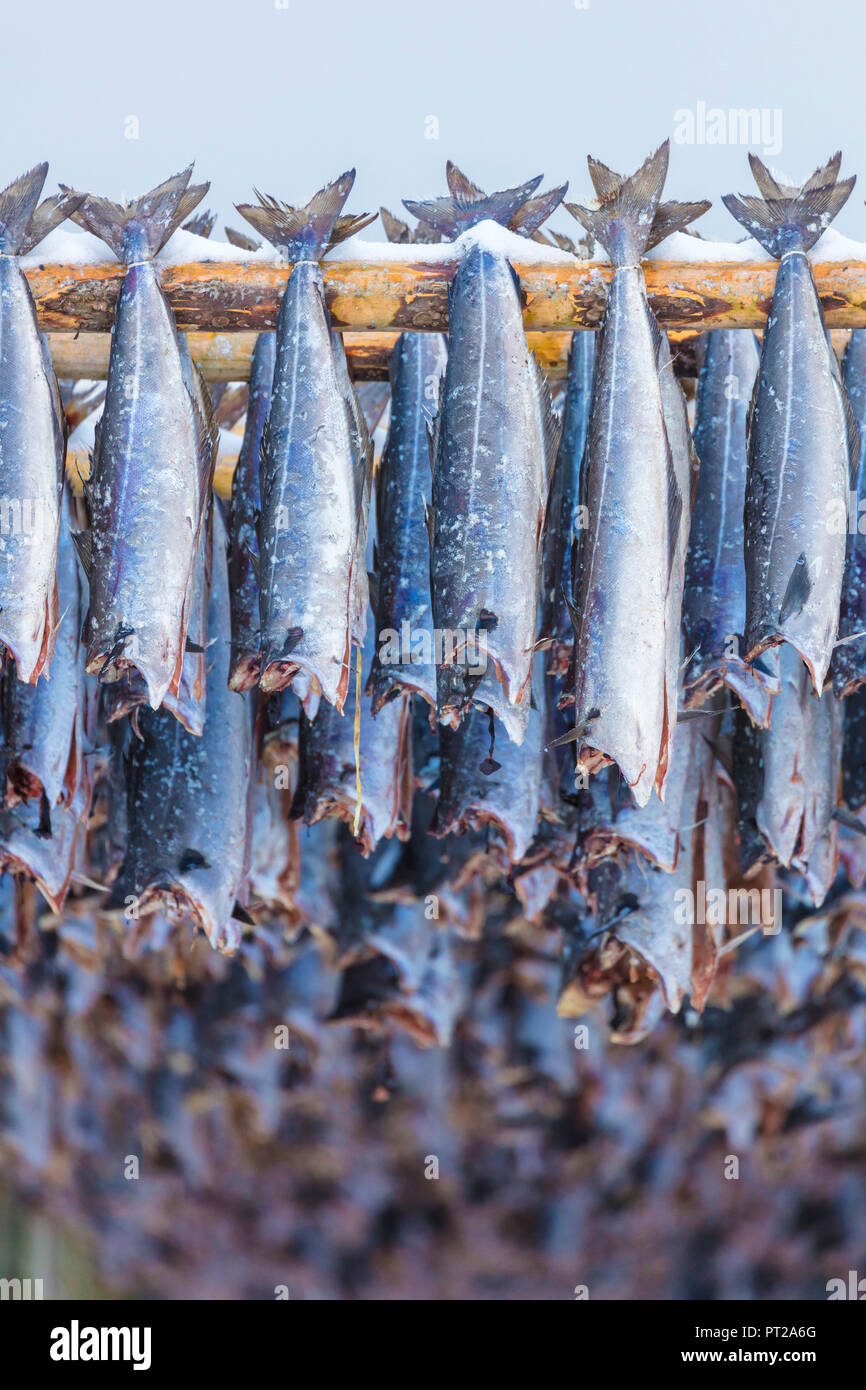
{"points": [[226, 356], [237, 297]]}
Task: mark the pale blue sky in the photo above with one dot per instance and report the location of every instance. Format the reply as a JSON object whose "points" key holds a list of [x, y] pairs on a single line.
{"points": [[287, 97]]}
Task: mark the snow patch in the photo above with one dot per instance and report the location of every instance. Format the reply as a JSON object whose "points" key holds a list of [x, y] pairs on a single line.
{"points": [[69, 245]]}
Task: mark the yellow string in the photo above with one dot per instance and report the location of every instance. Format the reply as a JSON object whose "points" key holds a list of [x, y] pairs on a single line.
{"points": [[357, 823]]}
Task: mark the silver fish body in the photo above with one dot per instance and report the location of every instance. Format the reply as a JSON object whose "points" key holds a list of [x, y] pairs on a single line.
{"points": [[312, 486], [147, 495], [44, 740], [848, 666], [801, 756], [714, 612], [328, 777], [404, 602], [504, 788], [243, 516], [187, 703], [496, 441], [798, 479], [564, 512], [188, 799], [621, 640], [684, 462], [32, 440]]}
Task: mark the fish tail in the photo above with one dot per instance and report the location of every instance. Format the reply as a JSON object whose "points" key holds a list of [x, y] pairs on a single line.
{"points": [[307, 233], [137, 231], [787, 218], [535, 211], [625, 220], [241, 240], [202, 224], [468, 205], [673, 216], [18, 204]]}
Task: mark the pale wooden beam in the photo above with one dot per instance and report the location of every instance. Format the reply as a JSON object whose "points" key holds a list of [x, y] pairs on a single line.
{"points": [[236, 297]]}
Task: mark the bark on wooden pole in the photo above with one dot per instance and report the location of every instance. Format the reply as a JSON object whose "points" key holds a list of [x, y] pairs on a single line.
{"points": [[232, 297]]}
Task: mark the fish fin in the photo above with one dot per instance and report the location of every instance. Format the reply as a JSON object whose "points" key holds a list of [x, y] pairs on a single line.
{"points": [[83, 542], [673, 217], [361, 441], [308, 232], [253, 558], [434, 426], [396, 230], [267, 467], [189, 200], [206, 435], [459, 186], [49, 214], [661, 346], [848, 818], [606, 183], [241, 240], [798, 590], [138, 230], [572, 735], [752, 407], [457, 214], [528, 218], [675, 511], [564, 243], [785, 218], [768, 185], [624, 221], [203, 223], [348, 225], [18, 203], [240, 914], [551, 423]]}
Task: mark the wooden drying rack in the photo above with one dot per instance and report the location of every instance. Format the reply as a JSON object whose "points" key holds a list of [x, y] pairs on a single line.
{"points": [[223, 305]]}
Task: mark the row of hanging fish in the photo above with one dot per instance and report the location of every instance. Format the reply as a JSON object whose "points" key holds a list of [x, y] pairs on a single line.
{"points": [[565, 597]]}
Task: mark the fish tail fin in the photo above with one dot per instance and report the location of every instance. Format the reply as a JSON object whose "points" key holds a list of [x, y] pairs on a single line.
{"points": [[137, 231], [399, 231], [528, 218], [241, 240], [49, 214], [396, 229], [673, 217], [467, 205], [786, 218], [17, 207], [202, 224], [306, 233], [623, 222]]}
